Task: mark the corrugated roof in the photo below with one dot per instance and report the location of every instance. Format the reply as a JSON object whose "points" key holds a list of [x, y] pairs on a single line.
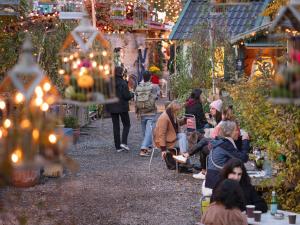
{"points": [[237, 18]]}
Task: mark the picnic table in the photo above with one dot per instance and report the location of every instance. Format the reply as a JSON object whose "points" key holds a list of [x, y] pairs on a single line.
{"points": [[268, 219]]}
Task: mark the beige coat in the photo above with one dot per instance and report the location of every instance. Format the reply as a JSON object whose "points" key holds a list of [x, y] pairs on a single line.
{"points": [[164, 133], [216, 214]]}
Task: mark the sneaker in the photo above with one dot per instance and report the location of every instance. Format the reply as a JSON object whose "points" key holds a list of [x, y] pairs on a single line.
{"points": [[125, 147], [120, 150], [199, 176], [144, 153], [180, 158]]}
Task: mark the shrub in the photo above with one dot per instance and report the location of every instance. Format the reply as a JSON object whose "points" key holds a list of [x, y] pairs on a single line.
{"points": [[71, 122]]}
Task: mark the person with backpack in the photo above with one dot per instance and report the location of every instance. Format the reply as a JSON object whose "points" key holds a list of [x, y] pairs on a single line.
{"points": [[120, 109], [146, 96]]}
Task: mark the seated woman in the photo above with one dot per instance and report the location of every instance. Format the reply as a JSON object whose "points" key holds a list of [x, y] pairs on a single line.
{"points": [[234, 169], [225, 210], [223, 149], [194, 107], [202, 145], [166, 132], [215, 115]]}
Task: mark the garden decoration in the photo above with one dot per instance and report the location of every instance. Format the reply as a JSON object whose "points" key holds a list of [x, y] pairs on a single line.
{"points": [[86, 65], [140, 15], [118, 11], [28, 133], [287, 80], [156, 74]]}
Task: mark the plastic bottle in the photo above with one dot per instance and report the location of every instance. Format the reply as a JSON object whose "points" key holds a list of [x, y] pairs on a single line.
{"points": [[274, 203], [267, 167]]}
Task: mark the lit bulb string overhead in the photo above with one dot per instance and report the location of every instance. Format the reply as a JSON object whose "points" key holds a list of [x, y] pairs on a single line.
{"points": [[102, 11]]}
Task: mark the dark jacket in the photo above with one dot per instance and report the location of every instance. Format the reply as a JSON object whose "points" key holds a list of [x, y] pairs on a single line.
{"points": [[251, 198], [123, 94], [222, 151], [195, 108]]}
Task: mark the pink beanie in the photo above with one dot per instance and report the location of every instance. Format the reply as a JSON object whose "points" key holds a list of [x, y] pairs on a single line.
{"points": [[217, 105]]}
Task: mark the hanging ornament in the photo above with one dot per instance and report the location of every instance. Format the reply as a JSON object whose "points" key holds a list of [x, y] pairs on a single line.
{"points": [[118, 11], [86, 66], [140, 15], [28, 133]]}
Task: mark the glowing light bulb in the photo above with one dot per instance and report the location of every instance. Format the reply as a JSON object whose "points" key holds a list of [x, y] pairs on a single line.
{"points": [[91, 55], [16, 156], [45, 107], [7, 123], [38, 101], [61, 72], [104, 53], [19, 97], [47, 86], [65, 59], [52, 138], [39, 92], [2, 105], [25, 124], [101, 67], [106, 67], [94, 64], [1, 134], [35, 134]]}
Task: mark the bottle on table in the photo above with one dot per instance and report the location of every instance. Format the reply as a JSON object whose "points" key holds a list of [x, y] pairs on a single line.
{"points": [[267, 167], [274, 203]]}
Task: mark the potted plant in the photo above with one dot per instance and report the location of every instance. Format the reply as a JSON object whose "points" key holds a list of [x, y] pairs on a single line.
{"points": [[72, 122]]}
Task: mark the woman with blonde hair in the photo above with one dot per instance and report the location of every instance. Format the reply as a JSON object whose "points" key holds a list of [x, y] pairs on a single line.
{"points": [[166, 133]]}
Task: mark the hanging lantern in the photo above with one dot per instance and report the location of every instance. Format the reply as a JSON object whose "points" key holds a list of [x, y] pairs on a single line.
{"points": [[25, 125], [70, 9], [86, 66], [118, 11], [140, 15]]}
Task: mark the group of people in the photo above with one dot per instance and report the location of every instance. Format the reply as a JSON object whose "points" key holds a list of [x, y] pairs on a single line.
{"points": [[222, 145]]}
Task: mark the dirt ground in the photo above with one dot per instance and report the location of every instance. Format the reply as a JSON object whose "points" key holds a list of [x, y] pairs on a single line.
{"points": [[110, 188]]}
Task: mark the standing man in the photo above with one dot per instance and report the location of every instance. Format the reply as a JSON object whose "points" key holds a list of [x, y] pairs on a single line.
{"points": [[146, 96], [120, 109]]}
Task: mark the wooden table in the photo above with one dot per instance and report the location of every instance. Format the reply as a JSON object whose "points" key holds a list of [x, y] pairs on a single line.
{"points": [[268, 219]]}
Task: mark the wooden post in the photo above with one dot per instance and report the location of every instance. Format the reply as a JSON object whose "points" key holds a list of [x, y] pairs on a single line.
{"points": [[93, 13]]}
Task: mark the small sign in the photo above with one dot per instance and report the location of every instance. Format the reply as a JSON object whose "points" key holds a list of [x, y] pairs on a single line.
{"points": [[70, 15]]}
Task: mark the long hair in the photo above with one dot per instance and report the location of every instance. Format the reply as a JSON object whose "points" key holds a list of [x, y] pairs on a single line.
{"points": [[229, 167], [218, 116], [228, 113], [230, 194], [174, 104]]}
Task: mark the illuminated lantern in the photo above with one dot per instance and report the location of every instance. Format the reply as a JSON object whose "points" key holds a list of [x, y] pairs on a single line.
{"points": [[26, 126], [118, 11], [141, 15], [87, 66]]}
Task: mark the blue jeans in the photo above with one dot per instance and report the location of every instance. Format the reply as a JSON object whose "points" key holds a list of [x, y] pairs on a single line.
{"points": [[182, 142], [148, 123]]}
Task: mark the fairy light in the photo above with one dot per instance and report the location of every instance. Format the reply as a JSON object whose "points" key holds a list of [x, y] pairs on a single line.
{"points": [[61, 72], [35, 134], [25, 124], [19, 98], [16, 156], [39, 92], [7, 123], [38, 101], [52, 138], [45, 107], [47, 87], [2, 105]]}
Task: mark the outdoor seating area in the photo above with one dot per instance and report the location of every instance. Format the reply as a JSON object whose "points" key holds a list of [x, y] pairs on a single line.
{"points": [[147, 112]]}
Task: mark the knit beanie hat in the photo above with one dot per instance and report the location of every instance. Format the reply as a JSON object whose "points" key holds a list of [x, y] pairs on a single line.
{"points": [[217, 104]]}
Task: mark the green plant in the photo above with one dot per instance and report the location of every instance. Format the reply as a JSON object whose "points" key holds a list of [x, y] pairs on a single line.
{"points": [[276, 129], [71, 122]]}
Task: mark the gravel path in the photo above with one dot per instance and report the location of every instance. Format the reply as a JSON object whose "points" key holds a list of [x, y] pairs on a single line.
{"points": [[110, 188]]}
